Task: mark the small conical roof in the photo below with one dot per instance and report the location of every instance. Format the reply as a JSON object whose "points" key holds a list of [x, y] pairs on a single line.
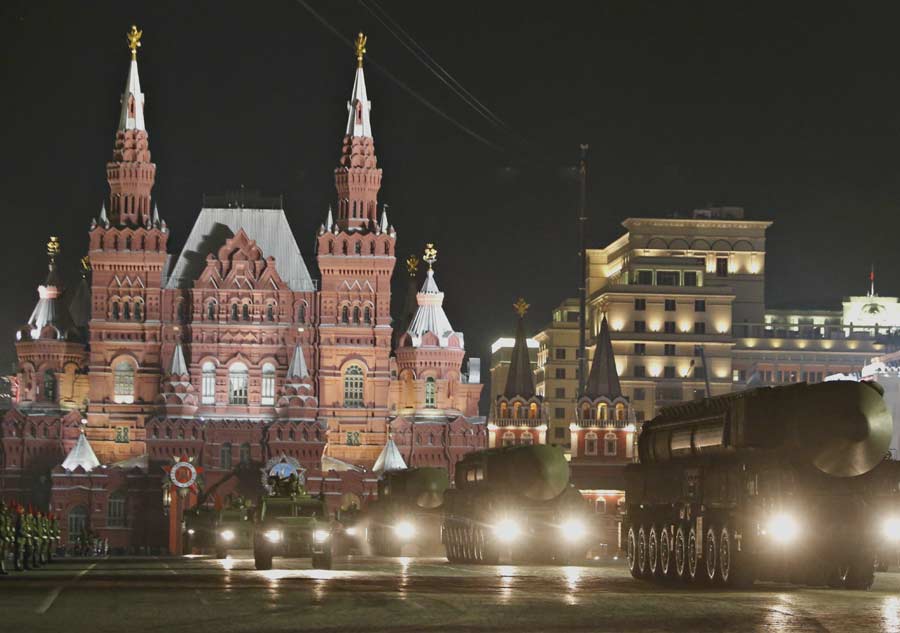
{"points": [[390, 459], [81, 455], [80, 306], [430, 315], [520, 378], [178, 367], [132, 115], [603, 381], [297, 369], [358, 122]]}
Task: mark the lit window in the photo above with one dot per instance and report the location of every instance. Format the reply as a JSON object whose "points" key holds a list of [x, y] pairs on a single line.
{"points": [[245, 312], [238, 380], [114, 311], [211, 311], [610, 444], [123, 383], [208, 384], [49, 385], [367, 316], [138, 311], [590, 443], [301, 313], [526, 438], [356, 315], [268, 384], [509, 438], [353, 386], [600, 506], [234, 312], [430, 393], [270, 312], [122, 435]]}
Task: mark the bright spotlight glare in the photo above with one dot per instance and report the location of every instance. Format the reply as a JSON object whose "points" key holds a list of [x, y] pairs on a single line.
{"points": [[405, 530], [191, 531], [573, 529], [227, 535], [320, 536], [783, 528], [891, 529], [350, 531], [507, 530], [273, 536]]}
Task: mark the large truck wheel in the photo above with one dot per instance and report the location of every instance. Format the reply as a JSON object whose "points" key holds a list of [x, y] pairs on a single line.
{"points": [[631, 552], [711, 555], [693, 567], [262, 559], [642, 551], [735, 568], [679, 553], [653, 552], [666, 566]]}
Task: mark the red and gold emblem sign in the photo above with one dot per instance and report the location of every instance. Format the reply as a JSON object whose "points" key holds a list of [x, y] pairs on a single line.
{"points": [[183, 474]]}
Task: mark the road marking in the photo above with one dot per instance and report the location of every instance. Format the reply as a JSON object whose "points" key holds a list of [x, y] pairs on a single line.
{"points": [[50, 599]]}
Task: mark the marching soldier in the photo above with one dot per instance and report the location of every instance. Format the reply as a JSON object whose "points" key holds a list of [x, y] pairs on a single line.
{"points": [[20, 540], [6, 527]]}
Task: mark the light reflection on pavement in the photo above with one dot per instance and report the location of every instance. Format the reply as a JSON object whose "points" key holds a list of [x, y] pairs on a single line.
{"points": [[414, 594]]}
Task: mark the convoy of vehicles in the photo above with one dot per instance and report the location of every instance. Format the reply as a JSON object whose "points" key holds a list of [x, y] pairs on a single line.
{"points": [[788, 483], [515, 503]]}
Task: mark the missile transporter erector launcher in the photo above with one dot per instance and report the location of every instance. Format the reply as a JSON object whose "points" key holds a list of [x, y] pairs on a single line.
{"points": [[783, 483], [515, 502]]}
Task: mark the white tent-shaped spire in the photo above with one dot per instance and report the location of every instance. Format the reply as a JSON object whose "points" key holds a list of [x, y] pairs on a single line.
{"points": [[179, 367], [81, 455], [155, 214], [329, 221], [430, 315], [297, 369], [390, 459], [358, 122], [103, 219], [132, 116], [384, 220]]}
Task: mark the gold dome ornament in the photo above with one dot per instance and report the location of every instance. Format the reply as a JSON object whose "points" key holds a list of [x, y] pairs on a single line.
{"points": [[360, 48], [521, 307], [430, 255], [134, 40], [53, 246]]}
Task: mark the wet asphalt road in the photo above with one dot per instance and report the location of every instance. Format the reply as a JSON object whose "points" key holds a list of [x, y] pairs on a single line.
{"points": [[411, 594]]}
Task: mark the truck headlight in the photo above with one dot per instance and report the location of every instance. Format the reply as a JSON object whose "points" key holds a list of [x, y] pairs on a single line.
{"points": [[782, 527], [320, 536], [507, 530], [227, 535], [890, 528], [350, 531], [573, 529], [191, 531], [405, 530], [273, 536]]}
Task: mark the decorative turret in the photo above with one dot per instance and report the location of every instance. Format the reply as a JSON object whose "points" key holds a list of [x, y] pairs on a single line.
{"points": [[176, 390], [430, 317], [518, 415], [297, 398], [81, 456], [130, 173], [358, 177], [44, 322], [390, 459]]}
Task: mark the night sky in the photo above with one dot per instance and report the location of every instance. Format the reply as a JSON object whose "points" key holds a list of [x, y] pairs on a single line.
{"points": [[790, 110]]}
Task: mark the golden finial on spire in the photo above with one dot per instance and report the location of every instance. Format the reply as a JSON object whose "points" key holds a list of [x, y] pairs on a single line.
{"points": [[86, 264], [53, 247], [134, 40], [360, 48], [412, 265], [430, 255], [521, 307]]}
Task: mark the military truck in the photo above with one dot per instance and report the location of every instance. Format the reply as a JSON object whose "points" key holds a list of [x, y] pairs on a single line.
{"points": [[515, 503], [407, 511], [233, 527], [785, 483], [290, 522]]}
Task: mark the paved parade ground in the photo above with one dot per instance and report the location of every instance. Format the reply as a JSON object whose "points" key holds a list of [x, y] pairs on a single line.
{"points": [[411, 594]]}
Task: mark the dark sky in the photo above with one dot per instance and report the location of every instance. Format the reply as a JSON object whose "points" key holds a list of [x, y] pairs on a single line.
{"points": [[791, 110]]}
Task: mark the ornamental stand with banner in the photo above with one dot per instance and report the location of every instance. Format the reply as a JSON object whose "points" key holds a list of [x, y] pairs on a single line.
{"points": [[180, 481]]}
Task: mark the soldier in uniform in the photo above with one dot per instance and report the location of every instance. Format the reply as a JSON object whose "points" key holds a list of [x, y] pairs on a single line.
{"points": [[20, 538], [5, 536], [55, 536]]}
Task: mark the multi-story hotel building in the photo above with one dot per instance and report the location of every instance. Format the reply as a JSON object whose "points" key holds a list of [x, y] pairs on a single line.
{"points": [[684, 298]]}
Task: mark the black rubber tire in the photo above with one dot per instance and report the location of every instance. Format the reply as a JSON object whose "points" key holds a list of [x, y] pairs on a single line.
{"points": [[653, 552], [221, 553], [642, 551], [735, 568], [666, 563], [631, 552], [679, 553], [262, 559], [322, 561], [694, 573], [711, 555]]}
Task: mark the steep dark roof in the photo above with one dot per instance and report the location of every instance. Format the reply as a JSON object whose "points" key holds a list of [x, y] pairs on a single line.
{"points": [[520, 379], [603, 381]]}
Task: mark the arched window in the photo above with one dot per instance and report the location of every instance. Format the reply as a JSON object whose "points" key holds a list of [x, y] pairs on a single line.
{"points": [[291, 435], [123, 383], [238, 380], [225, 456], [509, 438], [533, 411], [268, 384], [301, 313], [49, 385], [356, 315], [353, 386], [602, 412], [357, 248], [345, 315], [610, 444], [600, 505], [114, 311], [504, 409], [516, 407], [620, 412], [208, 385], [245, 454], [211, 310], [234, 312], [586, 412], [304, 435], [126, 311], [245, 311], [138, 310], [179, 312], [387, 248], [115, 510], [77, 520], [430, 393], [590, 443], [270, 312], [367, 316], [127, 242]]}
